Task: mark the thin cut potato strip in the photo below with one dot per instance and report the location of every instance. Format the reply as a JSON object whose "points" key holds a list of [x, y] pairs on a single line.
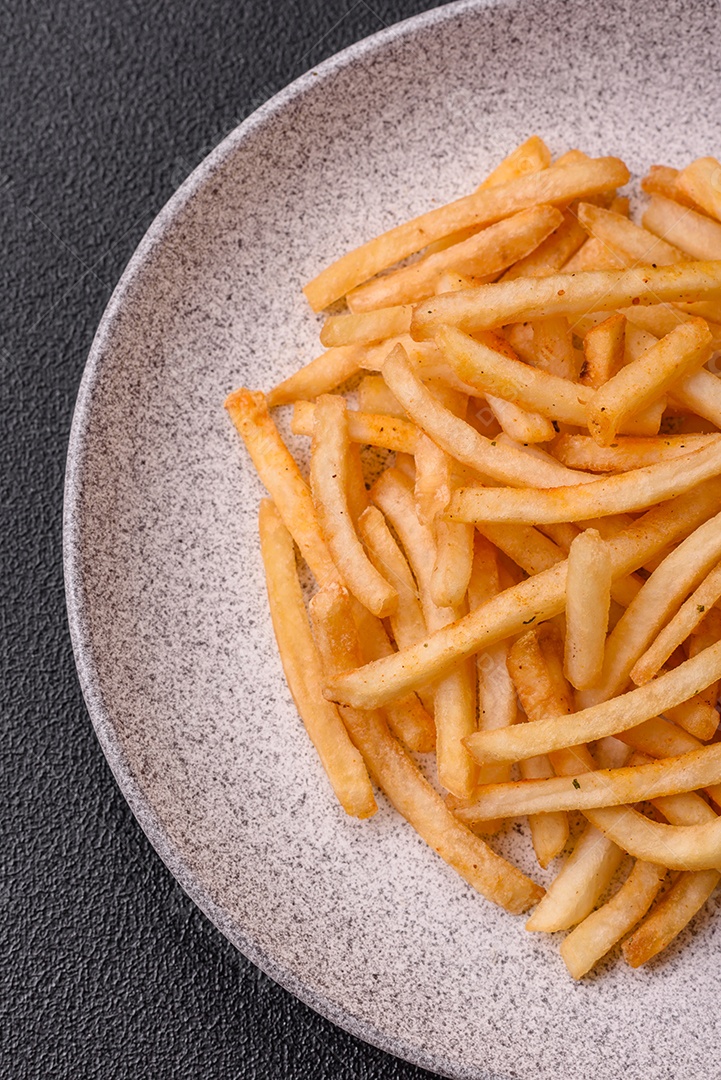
{"points": [[678, 847], [402, 781], [574, 892], [535, 600], [684, 899], [604, 787], [675, 632], [553, 253], [462, 441], [627, 452], [485, 254], [488, 306], [551, 186], [606, 718], [600, 930], [701, 181], [696, 234], [328, 472], [530, 157], [365, 327], [636, 385], [343, 764], [603, 348], [588, 589], [628, 239], [661, 180], [611, 495], [371, 429]]}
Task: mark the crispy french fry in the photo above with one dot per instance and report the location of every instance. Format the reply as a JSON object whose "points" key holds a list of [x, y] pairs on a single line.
{"points": [[281, 477], [603, 348], [588, 590], [582, 879], [602, 929], [684, 899], [675, 632], [320, 376], [604, 787], [549, 832], [628, 239], [484, 254], [342, 763], [701, 181], [530, 157], [661, 180], [594, 255], [607, 718], [455, 694], [371, 429], [553, 253], [489, 306], [551, 186], [611, 495], [367, 326], [636, 385], [679, 847], [535, 600], [328, 474], [452, 569], [459, 439], [375, 397], [552, 347], [696, 234], [402, 781], [520, 424], [627, 452]]}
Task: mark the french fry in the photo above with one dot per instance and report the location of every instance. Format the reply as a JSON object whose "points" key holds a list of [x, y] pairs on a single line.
{"points": [[603, 787], [452, 569], [365, 327], [661, 180], [455, 694], [484, 254], [552, 347], [628, 239], [660, 319], [328, 472], [489, 306], [549, 832], [675, 632], [582, 879], [602, 929], [530, 157], [520, 424], [627, 452], [594, 255], [342, 762], [696, 234], [433, 480], [701, 181], [551, 186], [375, 397], [588, 589], [639, 383], [661, 596], [678, 847], [603, 348], [684, 899], [611, 495], [402, 781], [320, 376], [370, 429], [458, 438], [407, 620], [280, 475], [532, 601], [553, 253]]}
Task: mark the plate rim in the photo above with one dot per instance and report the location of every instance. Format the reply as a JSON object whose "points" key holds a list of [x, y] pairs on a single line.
{"points": [[103, 725]]}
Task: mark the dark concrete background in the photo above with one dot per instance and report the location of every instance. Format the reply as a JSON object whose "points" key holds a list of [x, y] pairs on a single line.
{"points": [[109, 970]]}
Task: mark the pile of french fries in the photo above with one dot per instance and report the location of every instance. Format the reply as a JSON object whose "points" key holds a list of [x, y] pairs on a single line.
{"points": [[530, 584]]}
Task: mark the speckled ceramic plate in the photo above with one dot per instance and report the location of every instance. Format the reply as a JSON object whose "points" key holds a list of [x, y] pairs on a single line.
{"points": [[165, 588]]}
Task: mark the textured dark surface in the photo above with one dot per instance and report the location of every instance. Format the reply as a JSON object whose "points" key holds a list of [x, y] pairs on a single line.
{"points": [[109, 969]]}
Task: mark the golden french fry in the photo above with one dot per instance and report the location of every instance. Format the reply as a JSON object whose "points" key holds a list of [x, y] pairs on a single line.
{"points": [[660, 319], [684, 899], [530, 157], [402, 781], [484, 254], [459, 439], [551, 186], [366, 327], [606, 718], [600, 930], [604, 787], [375, 397], [520, 424], [701, 181], [627, 452], [370, 429], [611, 495], [678, 847], [628, 239], [455, 694], [603, 348], [328, 476], [532, 601], [661, 180], [638, 384], [489, 306], [432, 487], [594, 255], [553, 253], [280, 475], [696, 234], [452, 569], [588, 590], [552, 347], [343, 764], [675, 632], [575, 890], [549, 832], [661, 596], [320, 376]]}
